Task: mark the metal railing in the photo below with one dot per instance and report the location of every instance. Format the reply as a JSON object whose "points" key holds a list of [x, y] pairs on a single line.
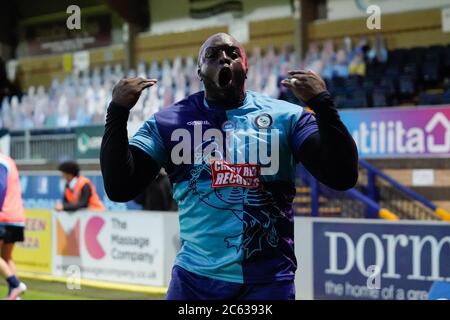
{"points": [[55, 145], [354, 204], [394, 196], [374, 192]]}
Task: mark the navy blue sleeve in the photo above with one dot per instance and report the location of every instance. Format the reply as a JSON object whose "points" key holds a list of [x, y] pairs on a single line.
{"points": [[330, 153], [302, 129], [3, 183]]}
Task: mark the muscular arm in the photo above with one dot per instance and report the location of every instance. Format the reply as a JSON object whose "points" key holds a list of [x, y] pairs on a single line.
{"points": [[330, 154], [126, 169]]}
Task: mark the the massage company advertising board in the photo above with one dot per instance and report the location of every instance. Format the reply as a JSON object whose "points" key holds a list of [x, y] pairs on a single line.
{"points": [[113, 246], [35, 253], [400, 132], [382, 261]]}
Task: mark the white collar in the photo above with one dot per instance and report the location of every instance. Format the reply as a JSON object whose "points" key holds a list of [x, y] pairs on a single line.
{"points": [[73, 182]]}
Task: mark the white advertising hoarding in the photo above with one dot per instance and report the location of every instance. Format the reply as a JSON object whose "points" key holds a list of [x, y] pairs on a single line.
{"points": [[127, 247], [335, 255]]}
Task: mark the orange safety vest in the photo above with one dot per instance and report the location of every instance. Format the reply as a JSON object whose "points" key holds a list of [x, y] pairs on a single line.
{"points": [[12, 210], [74, 195]]}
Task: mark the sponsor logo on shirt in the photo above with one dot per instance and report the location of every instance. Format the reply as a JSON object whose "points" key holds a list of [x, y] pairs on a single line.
{"points": [[198, 123], [228, 125], [244, 175]]}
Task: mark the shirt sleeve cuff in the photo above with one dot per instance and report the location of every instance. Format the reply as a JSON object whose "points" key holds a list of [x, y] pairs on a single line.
{"points": [[323, 106], [118, 110]]}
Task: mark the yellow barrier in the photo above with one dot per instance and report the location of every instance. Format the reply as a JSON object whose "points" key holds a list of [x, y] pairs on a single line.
{"points": [[387, 215], [443, 214], [95, 284]]}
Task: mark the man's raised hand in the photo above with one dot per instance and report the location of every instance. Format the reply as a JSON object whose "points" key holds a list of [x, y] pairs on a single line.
{"points": [[127, 91], [304, 84]]}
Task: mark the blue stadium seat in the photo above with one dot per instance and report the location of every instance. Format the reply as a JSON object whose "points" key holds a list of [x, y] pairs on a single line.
{"points": [[388, 85], [375, 70], [340, 101], [446, 96], [368, 84], [392, 71], [435, 53], [446, 61], [429, 99], [358, 99], [406, 87], [416, 55], [379, 98], [353, 83], [411, 70], [397, 55], [430, 73], [338, 86]]}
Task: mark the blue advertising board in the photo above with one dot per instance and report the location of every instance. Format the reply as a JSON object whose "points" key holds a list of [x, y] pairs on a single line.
{"points": [[379, 261], [43, 191]]}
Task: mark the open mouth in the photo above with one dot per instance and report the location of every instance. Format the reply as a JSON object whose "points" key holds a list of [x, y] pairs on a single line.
{"points": [[225, 77]]}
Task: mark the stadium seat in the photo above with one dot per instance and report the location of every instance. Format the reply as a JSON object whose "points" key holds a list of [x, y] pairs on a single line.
{"points": [[341, 101], [368, 84], [384, 84], [392, 71], [388, 85], [446, 97], [379, 98], [338, 85], [429, 99], [430, 73], [416, 55], [397, 56], [435, 53], [411, 70], [375, 70], [357, 99], [446, 61], [406, 87]]}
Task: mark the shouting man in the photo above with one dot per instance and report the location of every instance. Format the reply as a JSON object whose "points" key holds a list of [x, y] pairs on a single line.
{"points": [[231, 156]]}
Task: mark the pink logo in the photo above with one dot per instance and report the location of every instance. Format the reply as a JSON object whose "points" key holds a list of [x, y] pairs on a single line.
{"points": [[93, 228]]}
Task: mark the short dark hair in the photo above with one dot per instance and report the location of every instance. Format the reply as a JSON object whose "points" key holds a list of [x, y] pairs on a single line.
{"points": [[69, 167]]}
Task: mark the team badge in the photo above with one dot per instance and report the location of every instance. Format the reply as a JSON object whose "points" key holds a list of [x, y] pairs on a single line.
{"points": [[263, 121]]}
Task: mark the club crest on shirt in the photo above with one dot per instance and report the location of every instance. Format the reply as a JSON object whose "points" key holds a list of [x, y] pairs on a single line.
{"points": [[263, 121]]}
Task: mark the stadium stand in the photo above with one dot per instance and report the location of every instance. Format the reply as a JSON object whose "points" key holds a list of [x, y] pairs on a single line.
{"points": [[392, 87], [358, 78]]}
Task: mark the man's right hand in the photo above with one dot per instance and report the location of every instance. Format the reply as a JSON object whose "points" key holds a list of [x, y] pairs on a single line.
{"points": [[127, 91]]}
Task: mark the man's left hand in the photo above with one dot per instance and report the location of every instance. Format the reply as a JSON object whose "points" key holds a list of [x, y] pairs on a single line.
{"points": [[59, 206], [305, 84]]}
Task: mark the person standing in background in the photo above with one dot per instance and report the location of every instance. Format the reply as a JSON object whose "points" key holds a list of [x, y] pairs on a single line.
{"points": [[12, 224], [79, 192]]}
